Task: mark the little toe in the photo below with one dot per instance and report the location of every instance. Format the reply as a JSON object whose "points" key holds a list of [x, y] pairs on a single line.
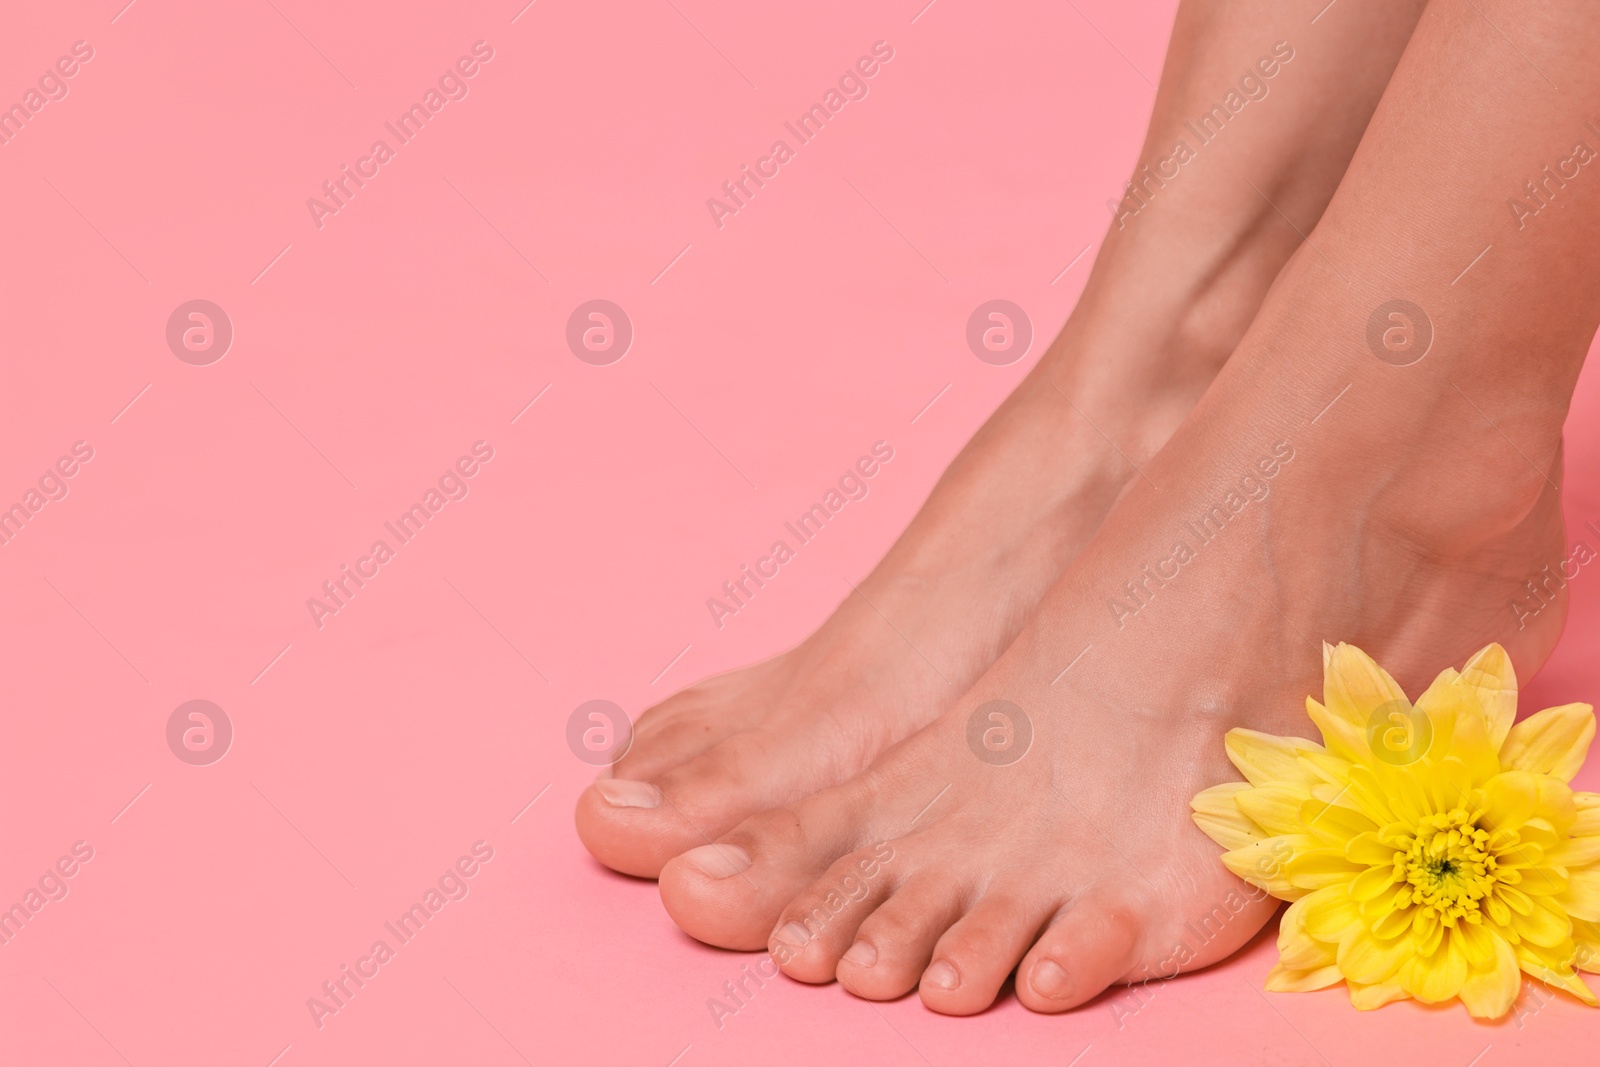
{"points": [[1087, 950], [974, 957]]}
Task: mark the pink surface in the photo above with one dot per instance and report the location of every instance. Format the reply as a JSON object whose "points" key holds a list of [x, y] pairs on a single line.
{"points": [[372, 752]]}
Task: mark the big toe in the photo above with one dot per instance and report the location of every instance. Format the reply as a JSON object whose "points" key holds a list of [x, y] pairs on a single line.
{"points": [[635, 826], [730, 892], [625, 824]]}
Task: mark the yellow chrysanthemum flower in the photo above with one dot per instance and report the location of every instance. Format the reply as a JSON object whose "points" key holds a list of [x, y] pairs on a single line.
{"points": [[1430, 850]]}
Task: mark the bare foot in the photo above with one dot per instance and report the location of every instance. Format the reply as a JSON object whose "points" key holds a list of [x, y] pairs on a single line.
{"points": [[1320, 490], [945, 865], [1173, 289]]}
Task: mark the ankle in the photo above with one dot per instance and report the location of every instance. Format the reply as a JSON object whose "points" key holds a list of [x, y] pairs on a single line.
{"points": [[1157, 321], [1448, 449]]}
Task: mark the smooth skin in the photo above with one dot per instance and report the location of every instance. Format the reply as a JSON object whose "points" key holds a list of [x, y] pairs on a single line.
{"points": [[1417, 501], [1172, 291]]}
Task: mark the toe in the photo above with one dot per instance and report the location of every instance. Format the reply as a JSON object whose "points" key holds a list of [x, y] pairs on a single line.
{"points": [[635, 826], [974, 957], [731, 893], [1091, 947], [817, 927], [626, 825], [892, 947]]}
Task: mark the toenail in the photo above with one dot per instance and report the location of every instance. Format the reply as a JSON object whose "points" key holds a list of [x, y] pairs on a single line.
{"points": [[624, 793], [942, 975], [862, 954], [1050, 980], [718, 861], [793, 934]]}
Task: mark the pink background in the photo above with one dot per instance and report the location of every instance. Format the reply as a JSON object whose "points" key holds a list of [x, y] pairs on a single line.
{"points": [[426, 715]]}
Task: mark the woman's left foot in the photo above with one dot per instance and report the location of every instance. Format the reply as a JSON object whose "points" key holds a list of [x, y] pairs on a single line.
{"points": [[1044, 820]]}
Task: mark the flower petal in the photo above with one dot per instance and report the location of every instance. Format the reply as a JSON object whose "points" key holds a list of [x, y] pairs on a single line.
{"points": [[1543, 925], [1450, 784], [1491, 675], [1216, 813], [1363, 958], [1316, 867], [1509, 800], [1557, 806], [1369, 848], [1469, 739], [1265, 863], [1440, 976], [1538, 831], [1586, 938], [1586, 808], [1489, 991], [1298, 950], [1368, 792], [1477, 941], [1582, 898], [1329, 912], [1353, 686], [1266, 760], [1275, 808], [1518, 901], [1372, 883], [1325, 766], [1552, 968], [1444, 702], [1333, 824], [1407, 798], [1553, 741], [1283, 980], [1367, 997], [1396, 922], [1543, 880], [1343, 739], [1427, 929]]}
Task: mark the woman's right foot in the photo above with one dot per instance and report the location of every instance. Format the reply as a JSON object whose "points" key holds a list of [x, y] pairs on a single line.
{"points": [[1173, 289]]}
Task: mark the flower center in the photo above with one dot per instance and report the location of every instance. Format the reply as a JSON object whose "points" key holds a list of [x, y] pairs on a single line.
{"points": [[1449, 867]]}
